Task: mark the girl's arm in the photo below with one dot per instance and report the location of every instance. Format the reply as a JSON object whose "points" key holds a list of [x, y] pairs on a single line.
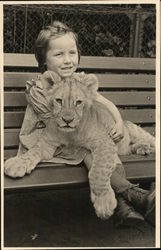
{"points": [[117, 132]]}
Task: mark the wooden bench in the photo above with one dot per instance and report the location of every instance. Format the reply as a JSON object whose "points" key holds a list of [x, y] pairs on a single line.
{"points": [[128, 82]]}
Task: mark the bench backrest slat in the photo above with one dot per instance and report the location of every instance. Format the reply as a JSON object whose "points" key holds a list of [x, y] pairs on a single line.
{"points": [[15, 119], [17, 99], [123, 81], [12, 136], [87, 62]]}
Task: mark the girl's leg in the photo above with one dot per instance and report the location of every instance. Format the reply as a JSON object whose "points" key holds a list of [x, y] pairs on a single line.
{"points": [[142, 200], [119, 182], [124, 212]]}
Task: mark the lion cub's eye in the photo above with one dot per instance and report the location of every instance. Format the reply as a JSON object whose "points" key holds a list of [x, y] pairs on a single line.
{"points": [[78, 102], [58, 100]]}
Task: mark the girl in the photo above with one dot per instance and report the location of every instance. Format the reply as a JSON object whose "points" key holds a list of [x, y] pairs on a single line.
{"points": [[57, 49]]}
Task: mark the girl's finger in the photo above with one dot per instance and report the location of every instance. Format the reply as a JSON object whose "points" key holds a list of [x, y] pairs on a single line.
{"points": [[117, 138], [112, 132], [116, 134]]}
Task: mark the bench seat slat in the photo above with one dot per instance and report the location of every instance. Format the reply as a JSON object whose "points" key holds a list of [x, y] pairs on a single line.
{"points": [[124, 81], [87, 62], [8, 153], [15, 119], [127, 98], [124, 158], [59, 175]]}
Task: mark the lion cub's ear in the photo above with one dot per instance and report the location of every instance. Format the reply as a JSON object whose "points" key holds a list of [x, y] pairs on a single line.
{"points": [[91, 83], [51, 77]]}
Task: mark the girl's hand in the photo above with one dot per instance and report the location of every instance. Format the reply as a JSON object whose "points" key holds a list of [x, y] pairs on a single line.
{"points": [[117, 133]]}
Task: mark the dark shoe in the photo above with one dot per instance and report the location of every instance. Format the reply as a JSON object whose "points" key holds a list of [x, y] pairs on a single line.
{"points": [[125, 215], [143, 201], [150, 209]]}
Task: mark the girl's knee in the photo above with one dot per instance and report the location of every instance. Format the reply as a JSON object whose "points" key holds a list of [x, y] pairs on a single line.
{"points": [[120, 170]]}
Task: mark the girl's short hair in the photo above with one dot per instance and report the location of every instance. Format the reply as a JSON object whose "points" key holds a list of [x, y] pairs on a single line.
{"points": [[55, 30]]}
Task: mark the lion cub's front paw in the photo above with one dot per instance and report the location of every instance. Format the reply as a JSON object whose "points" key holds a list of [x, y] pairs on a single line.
{"points": [[17, 167], [104, 204]]}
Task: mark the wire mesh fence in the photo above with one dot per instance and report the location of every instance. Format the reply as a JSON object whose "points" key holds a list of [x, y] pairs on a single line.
{"points": [[103, 30]]}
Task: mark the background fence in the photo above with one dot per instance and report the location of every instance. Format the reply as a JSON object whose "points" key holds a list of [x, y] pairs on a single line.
{"points": [[103, 30]]}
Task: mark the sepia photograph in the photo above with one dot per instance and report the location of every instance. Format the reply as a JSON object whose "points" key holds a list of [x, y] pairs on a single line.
{"points": [[80, 122]]}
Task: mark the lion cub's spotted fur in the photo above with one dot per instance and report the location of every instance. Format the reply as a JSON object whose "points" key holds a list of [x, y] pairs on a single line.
{"points": [[80, 120]]}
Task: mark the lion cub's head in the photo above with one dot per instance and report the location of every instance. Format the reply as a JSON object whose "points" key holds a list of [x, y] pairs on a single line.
{"points": [[70, 98]]}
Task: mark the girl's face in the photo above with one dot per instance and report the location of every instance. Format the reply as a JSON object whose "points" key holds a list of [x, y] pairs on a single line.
{"points": [[62, 55]]}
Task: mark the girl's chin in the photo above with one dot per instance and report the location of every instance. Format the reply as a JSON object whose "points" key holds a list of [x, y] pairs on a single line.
{"points": [[66, 73]]}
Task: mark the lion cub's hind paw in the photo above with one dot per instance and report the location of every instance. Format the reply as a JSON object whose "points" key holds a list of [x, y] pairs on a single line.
{"points": [[142, 149]]}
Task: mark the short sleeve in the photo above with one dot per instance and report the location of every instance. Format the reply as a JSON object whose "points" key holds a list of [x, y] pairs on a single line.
{"points": [[36, 96]]}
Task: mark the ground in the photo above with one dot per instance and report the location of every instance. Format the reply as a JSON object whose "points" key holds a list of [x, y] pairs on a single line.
{"points": [[66, 218]]}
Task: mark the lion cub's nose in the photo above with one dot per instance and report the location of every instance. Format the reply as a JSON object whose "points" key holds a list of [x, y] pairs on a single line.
{"points": [[67, 120]]}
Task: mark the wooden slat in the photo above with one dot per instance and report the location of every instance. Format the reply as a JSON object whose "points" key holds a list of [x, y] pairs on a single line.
{"points": [[127, 98], [56, 176], [93, 62], [19, 60], [117, 63], [13, 79], [11, 136], [151, 130], [140, 170], [15, 119], [15, 99], [18, 79], [130, 98], [140, 116], [126, 81], [8, 153]]}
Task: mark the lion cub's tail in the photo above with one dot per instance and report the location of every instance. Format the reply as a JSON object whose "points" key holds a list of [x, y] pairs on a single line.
{"points": [[139, 134], [140, 138]]}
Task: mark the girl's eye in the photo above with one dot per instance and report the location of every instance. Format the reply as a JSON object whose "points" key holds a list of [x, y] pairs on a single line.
{"points": [[78, 102], [58, 54], [58, 100], [73, 52]]}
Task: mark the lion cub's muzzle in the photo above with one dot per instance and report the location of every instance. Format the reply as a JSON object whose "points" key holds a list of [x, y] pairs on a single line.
{"points": [[68, 121]]}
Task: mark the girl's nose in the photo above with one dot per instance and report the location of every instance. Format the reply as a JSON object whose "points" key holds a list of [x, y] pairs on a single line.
{"points": [[67, 58]]}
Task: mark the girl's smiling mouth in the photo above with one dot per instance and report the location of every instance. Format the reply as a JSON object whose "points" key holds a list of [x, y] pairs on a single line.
{"points": [[67, 68]]}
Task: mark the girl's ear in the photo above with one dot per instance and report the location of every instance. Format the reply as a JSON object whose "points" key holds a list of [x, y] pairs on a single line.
{"points": [[91, 82]]}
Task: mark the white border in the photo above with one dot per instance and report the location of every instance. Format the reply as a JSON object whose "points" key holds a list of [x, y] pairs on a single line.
{"points": [[158, 25]]}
